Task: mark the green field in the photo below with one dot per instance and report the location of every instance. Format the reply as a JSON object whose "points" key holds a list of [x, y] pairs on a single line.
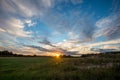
{"points": [[46, 68]]}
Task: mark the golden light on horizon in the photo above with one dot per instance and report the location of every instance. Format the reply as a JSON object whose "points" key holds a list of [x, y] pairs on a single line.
{"points": [[57, 55]]}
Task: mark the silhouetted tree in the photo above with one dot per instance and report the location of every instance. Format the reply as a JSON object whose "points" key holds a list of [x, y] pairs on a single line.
{"points": [[7, 53]]}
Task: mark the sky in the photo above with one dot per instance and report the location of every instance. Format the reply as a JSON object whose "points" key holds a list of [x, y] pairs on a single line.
{"points": [[71, 27]]}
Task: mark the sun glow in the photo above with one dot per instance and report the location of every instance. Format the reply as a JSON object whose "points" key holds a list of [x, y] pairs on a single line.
{"points": [[57, 55]]}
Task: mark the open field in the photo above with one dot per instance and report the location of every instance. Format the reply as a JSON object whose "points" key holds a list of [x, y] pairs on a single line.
{"points": [[104, 67]]}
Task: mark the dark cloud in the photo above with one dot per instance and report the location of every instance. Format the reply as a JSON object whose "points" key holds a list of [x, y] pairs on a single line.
{"points": [[103, 50], [72, 52], [46, 42], [56, 48], [39, 48], [49, 50]]}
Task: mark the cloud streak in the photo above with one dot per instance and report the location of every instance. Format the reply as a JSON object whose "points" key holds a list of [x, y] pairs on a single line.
{"points": [[39, 48], [27, 8], [110, 26]]}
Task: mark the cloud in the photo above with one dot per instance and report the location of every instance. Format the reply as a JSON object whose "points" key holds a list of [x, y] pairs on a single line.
{"points": [[13, 26], [2, 30], [45, 41], [111, 47], [28, 51], [70, 22], [77, 1], [30, 23], [7, 39], [103, 22], [82, 30], [14, 17], [73, 2], [22, 50], [63, 47], [87, 48], [55, 47], [39, 48], [36, 22], [25, 8], [109, 26], [1, 48], [42, 49], [15, 14], [47, 3], [115, 41]]}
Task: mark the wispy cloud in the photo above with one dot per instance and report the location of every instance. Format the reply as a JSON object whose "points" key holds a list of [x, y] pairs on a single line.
{"points": [[69, 26], [30, 23], [87, 48], [78, 22], [109, 26], [46, 42], [13, 26], [27, 8], [39, 48], [77, 1], [115, 41]]}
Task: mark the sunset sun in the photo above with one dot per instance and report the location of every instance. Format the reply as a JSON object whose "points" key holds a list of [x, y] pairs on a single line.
{"points": [[57, 55], [59, 39]]}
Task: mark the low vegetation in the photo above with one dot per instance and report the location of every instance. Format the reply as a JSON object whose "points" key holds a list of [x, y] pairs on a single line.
{"points": [[97, 67]]}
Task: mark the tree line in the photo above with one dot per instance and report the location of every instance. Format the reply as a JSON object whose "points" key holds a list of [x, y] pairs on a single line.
{"points": [[7, 53]]}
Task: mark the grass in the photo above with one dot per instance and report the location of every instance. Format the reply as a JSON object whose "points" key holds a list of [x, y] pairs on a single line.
{"points": [[45, 68]]}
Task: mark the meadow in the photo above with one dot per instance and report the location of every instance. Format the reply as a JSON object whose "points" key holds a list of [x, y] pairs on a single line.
{"points": [[103, 67]]}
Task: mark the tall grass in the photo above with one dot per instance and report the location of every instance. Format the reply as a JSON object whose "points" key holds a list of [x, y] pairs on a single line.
{"points": [[37, 68]]}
